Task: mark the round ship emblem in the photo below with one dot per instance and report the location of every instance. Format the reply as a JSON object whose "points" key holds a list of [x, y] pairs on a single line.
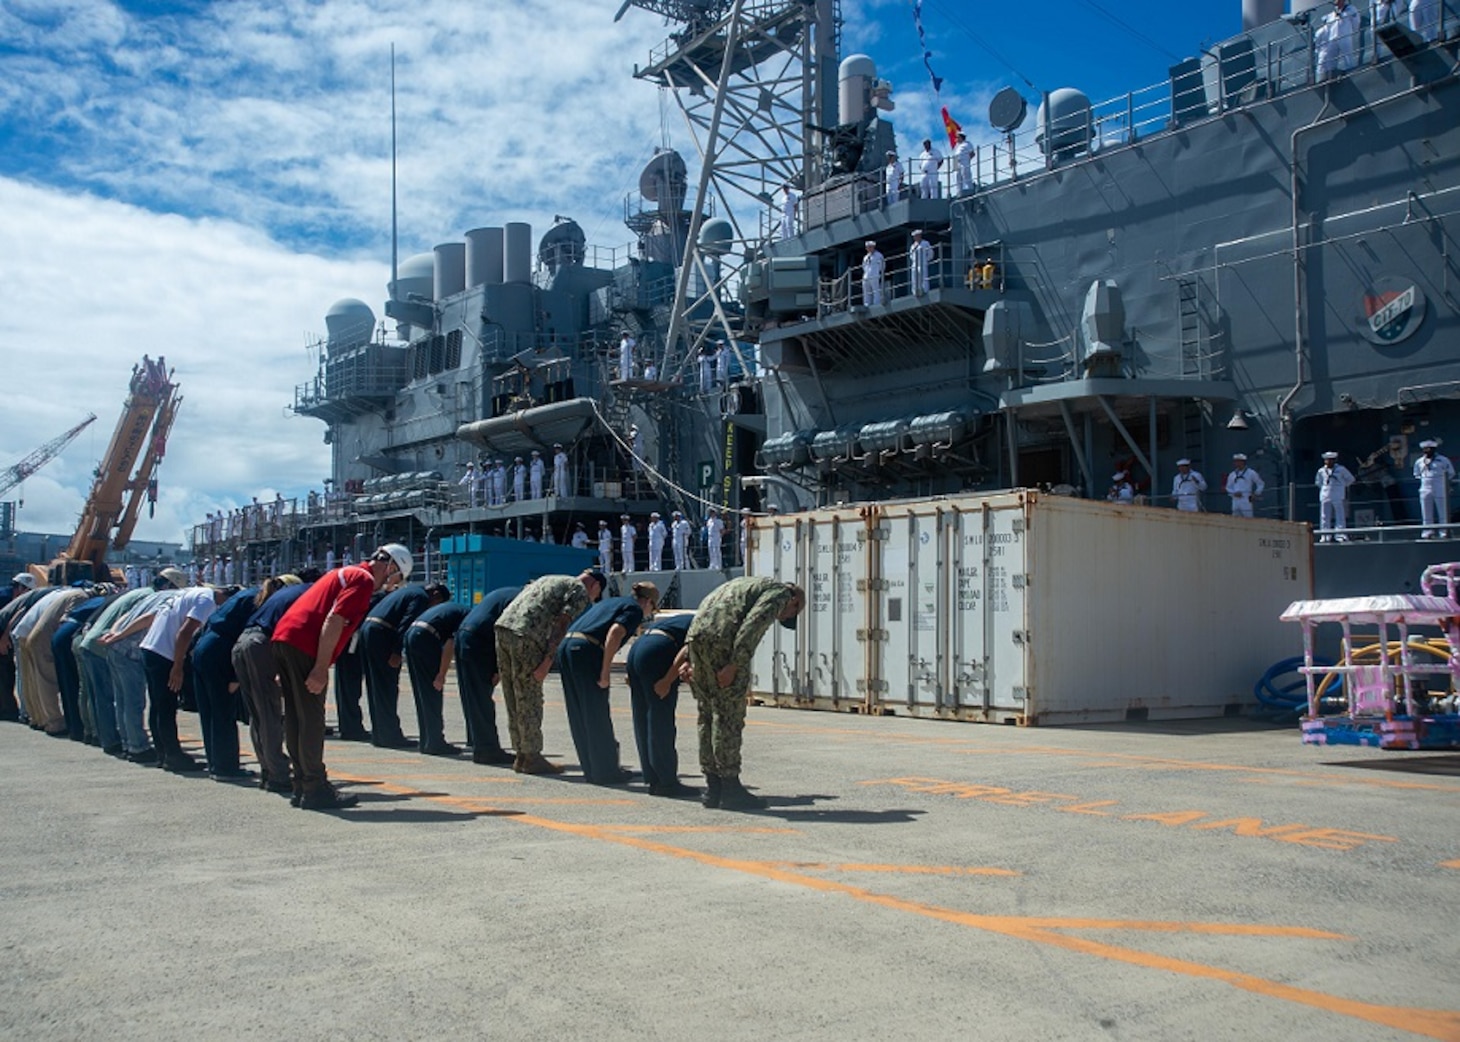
{"points": [[1393, 310]]}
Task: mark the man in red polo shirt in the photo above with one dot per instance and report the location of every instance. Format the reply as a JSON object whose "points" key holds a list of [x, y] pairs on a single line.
{"points": [[307, 640]]}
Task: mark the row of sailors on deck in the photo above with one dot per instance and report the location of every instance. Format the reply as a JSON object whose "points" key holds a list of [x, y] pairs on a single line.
{"points": [[488, 485], [1336, 39], [1243, 485]]}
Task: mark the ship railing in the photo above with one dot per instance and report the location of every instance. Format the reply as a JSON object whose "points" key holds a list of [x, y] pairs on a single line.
{"points": [[898, 281]]}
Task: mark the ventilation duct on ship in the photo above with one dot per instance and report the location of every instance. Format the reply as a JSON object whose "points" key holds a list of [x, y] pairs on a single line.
{"points": [[449, 269], [1102, 323], [1005, 324], [484, 257], [518, 252]]}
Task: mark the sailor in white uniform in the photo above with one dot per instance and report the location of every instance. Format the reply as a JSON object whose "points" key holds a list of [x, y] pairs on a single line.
{"points": [[928, 163], [963, 161], [679, 531], [469, 479], [714, 538], [873, 265], [535, 474], [605, 546], [626, 357], [789, 199], [1333, 480], [920, 260], [894, 178], [1187, 487], [1121, 490], [1336, 40], [1434, 473], [560, 472], [627, 533], [1244, 485], [519, 480], [1424, 18], [657, 534], [580, 537]]}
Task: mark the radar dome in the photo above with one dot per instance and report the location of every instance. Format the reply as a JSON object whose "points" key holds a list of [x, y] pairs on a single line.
{"points": [[716, 235], [349, 322], [1064, 122], [416, 275], [561, 245]]}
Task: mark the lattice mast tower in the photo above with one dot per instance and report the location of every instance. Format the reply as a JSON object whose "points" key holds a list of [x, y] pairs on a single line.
{"points": [[755, 80]]}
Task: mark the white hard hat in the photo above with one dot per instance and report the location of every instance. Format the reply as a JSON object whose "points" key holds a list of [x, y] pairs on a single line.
{"points": [[23, 579], [401, 556]]}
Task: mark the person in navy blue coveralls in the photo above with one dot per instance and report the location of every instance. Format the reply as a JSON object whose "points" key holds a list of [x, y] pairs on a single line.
{"points": [[381, 647], [584, 659], [655, 665], [476, 675], [429, 642], [216, 684]]}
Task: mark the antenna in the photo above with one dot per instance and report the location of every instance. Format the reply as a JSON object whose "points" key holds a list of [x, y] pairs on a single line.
{"points": [[394, 241]]}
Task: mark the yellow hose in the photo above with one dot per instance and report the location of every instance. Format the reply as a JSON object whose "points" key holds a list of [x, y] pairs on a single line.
{"points": [[1436, 646]]}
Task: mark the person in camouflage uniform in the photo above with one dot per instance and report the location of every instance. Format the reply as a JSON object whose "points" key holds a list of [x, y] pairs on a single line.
{"points": [[729, 624], [528, 634]]}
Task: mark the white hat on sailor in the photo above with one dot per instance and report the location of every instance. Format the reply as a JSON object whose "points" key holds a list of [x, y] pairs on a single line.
{"points": [[1429, 443], [1330, 455], [1240, 456], [1183, 462], [1119, 475]]}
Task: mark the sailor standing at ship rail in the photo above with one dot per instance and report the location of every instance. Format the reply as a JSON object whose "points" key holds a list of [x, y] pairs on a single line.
{"points": [[605, 546], [893, 177], [1187, 487], [1424, 18], [873, 265], [928, 163], [1244, 485], [714, 539], [1121, 490], [657, 534], [789, 199], [920, 262], [1333, 480], [627, 534], [560, 472], [469, 479], [962, 160], [679, 532], [1434, 473], [626, 356], [535, 471], [519, 480], [1336, 41]]}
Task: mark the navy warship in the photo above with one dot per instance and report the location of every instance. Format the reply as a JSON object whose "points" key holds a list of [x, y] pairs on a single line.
{"points": [[1253, 256]]}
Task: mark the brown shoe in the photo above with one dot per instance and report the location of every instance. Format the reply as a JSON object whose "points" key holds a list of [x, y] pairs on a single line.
{"points": [[538, 764]]}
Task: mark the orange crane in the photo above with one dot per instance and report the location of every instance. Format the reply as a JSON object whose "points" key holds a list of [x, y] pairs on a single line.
{"points": [[116, 495], [12, 476]]}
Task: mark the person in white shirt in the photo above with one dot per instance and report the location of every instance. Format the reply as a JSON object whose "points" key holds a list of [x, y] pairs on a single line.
{"points": [[963, 162], [722, 365], [499, 484], [714, 538], [1121, 490], [789, 199], [535, 471], [1244, 485], [893, 178], [657, 534], [1333, 480], [707, 357], [873, 265], [560, 472], [920, 262], [928, 163], [1434, 473], [1336, 41], [1187, 487], [580, 537], [679, 530]]}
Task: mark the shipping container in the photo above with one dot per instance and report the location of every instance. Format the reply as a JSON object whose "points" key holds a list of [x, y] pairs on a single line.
{"points": [[479, 564], [1019, 607]]}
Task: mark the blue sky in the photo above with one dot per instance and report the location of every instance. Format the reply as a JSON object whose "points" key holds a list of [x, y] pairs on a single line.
{"points": [[203, 179]]}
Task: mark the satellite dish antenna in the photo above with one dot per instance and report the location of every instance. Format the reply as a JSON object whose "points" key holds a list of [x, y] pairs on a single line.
{"points": [[664, 179], [1007, 110]]}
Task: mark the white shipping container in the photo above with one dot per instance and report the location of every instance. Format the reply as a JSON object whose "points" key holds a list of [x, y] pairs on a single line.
{"points": [[1025, 608]]}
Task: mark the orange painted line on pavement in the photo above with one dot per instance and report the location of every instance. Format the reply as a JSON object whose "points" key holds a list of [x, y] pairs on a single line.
{"points": [[699, 828], [912, 870], [1450, 864], [1438, 1024]]}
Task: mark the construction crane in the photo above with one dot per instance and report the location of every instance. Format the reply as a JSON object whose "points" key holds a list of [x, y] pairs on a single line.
{"points": [[12, 476], [139, 441]]}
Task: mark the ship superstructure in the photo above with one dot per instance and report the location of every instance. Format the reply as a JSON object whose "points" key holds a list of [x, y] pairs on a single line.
{"points": [[1248, 257]]}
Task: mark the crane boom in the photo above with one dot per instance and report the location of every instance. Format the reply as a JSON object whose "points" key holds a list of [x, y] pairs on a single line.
{"points": [[150, 398], [12, 476]]}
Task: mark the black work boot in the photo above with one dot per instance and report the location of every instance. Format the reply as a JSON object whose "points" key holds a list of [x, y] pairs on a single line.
{"points": [[711, 796], [734, 797]]}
